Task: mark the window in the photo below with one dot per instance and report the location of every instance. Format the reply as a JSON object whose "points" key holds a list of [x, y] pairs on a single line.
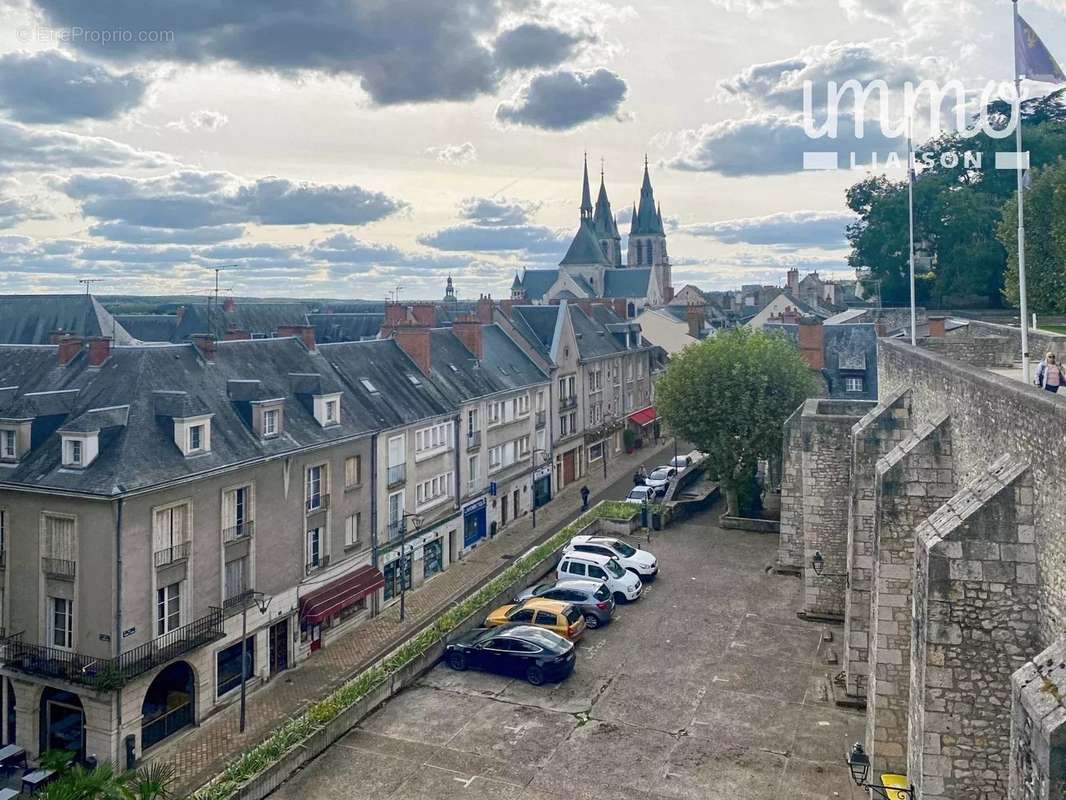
{"points": [[3, 538], [171, 525], [196, 438], [229, 664], [472, 471], [540, 401], [351, 529], [270, 422], [393, 580], [168, 608], [8, 444], [331, 412], [59, 538], [433, 558], [596, 452], [314, 548], [433, 439], [854, 384], [472, 421], [574, 568], [396, 506], [236, 577], [434, 490], [542, 439], [313, 485], [366, 384], [522, 615], [237, 513], [60, 623], [562, 425], [74, 456], [353, 471]]}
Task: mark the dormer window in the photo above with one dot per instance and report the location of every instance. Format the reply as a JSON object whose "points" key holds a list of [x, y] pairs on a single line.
{"points": [[8, 445], [331, 411], [192, 435], [271, 422], [328, 409], [196, 438], [79, 450], [74, 452]]}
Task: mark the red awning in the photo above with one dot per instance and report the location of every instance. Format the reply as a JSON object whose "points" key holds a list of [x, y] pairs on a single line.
{"points": [[342, 593], [645, 416]]}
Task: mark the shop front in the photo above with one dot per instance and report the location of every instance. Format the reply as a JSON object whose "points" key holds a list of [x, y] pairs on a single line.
{"points": [[474, 522], [542, 486], [645, 424], [338, 602]]}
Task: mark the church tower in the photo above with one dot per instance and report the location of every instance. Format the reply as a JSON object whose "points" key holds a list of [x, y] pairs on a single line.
{"points": [[647, 237], [518, 292], [606, 228], [449, 292]]}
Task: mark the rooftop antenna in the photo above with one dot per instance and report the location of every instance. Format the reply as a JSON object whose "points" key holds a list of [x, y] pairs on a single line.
{"points": [[213, 299], [88, 282]]}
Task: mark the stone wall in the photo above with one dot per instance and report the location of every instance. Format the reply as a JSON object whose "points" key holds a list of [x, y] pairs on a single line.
{"points": [[1040, 342], [790, 547], [976, 621], [1038, 727], [976, 351], [872, 436], [913, 481]]}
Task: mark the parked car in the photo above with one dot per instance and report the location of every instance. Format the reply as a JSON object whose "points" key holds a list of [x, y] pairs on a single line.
{"points": [[625, 586], [564, 619], [640, 495], [680, 462], [592, 598], [641, 562], [536, 654], [660, 478]]}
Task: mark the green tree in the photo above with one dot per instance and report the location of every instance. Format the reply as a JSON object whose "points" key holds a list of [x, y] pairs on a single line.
{"points": [[730, 395], [151, 782], [1045, 241]]}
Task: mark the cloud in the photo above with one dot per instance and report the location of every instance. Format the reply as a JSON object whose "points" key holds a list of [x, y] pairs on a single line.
{"points": [[456, 154], [490, 211], [533, 44], [753, 8], [564, 99], [16, 207], [139, 234], [502, 238], [49, 86], [204, 119], [190, 199], [25, 148], [784, 230], [772, 144], [403, 51], [348, 255]]}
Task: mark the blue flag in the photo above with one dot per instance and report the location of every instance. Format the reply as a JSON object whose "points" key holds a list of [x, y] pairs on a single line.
{"points": [[1035, 61]]}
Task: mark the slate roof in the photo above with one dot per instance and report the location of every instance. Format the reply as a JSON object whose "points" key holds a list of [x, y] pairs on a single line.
{"points": [[537, 282], [647, 221], [603, 219], [149, 327], [626, 282], [31, 319], [536, 324], [503, 366], [346, 327], [585, 249], [262, 319]]}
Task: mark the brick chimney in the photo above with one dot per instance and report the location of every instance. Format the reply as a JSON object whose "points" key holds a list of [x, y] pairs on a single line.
{"points": [[811, 343], [414, 340], [99, 350], [206, 344], [793, 281], [408, 314], [484, 310], [69, 346], [306, 334], [620, 307], [230, 305], [468, 331], [696, 316], [936, 327], [56, 336], [236, 335]]}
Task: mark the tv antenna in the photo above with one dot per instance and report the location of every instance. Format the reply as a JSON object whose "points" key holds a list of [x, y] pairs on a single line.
{"points": [[88, 282], [213, 301]]}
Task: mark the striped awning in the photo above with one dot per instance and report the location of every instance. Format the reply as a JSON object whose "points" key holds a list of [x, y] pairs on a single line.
{"points": [[342, 593], [645, 416]]}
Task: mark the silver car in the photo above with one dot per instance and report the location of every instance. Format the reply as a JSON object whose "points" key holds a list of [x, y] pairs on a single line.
{"points": [[592, 598]]}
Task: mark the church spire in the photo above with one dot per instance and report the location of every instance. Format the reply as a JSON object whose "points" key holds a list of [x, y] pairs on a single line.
{"points": [[647, 220], [586, 194]]}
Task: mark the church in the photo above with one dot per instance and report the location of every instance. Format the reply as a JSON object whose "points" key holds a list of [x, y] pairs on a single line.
{"points": [[593, 266]]}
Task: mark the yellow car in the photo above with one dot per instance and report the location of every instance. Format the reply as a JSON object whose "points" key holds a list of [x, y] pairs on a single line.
{"points": [[562, 618]]}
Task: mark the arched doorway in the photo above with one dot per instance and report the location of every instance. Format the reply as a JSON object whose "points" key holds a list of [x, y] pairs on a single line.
{"points": [[62, 722], [168, 704]]}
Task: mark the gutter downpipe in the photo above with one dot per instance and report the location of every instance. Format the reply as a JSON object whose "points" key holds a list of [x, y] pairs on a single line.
{"points": [[117, 647]]}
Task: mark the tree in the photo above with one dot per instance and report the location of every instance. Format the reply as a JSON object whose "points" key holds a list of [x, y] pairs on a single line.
{"points": [[1045, 242], [151, 782], [730, 395]]}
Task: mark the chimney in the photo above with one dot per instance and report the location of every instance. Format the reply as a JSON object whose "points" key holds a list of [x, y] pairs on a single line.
{"points": [[69, 346], [669, 293], [180, 314], [99, 350], [793, 280], [56, 336], [696, 315], [620, 308], [484, 310], [206, 344], [468, 331], [236, 335], [414, 340], [306, 334], [230, 305], [811, 343], [936, 327]]}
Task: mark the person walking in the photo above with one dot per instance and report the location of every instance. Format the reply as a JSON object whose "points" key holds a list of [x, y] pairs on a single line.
{"points": [[1049, 375], [584, 498]]}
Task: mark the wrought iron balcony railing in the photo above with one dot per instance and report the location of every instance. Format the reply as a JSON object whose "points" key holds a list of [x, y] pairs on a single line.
{"points": [[59, 568], [473, 440], [567, 403], [106, 674], [397, 475], [316, 503], [169, 555], [542, 419], [238, 532]]}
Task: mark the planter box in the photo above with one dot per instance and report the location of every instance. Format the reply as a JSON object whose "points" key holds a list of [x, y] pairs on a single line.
{"points": [[749, 524]]}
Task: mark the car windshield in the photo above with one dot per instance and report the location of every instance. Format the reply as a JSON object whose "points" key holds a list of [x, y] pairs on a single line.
{"points": [[624, 549], [613, 568], [639, 493], [572, 615], [603, 593], [660, 475]]}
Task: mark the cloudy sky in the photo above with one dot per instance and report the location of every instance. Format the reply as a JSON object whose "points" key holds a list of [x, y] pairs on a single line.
{"points": [[348, 147]]}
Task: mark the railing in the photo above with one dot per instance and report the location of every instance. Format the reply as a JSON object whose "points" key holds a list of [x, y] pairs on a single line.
{"points": [[396, 475], [566, 403], [59, 568], [168, 555], [237, 603], [106, 674], [316, 503], [473, 440], [321, 563], [165, 725], [394, 530], [238, 532], [542, 419]]}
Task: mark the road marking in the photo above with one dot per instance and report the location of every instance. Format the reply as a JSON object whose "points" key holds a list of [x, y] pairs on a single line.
{"points": [[465, 781], [716, 679]]}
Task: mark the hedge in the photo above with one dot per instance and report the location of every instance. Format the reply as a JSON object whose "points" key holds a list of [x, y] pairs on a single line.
{"points": [[301, 728], [615, 510]]}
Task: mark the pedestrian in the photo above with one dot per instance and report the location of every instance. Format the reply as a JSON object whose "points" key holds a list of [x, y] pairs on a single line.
{"points": [[638, 479], [1049, 375], [584, 498]]}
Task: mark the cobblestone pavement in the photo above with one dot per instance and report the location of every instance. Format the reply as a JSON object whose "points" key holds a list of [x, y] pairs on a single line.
{"points": [[206, 750], [708, 686]]}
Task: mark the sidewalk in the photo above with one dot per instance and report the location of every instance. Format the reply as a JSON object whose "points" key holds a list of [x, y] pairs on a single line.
{"points": [[206, 750]]}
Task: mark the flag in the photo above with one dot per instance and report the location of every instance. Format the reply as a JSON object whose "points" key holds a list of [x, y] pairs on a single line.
{"points": [[1035, 61]]}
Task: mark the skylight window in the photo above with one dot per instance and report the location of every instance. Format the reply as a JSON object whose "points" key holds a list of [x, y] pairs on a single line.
{"points": [[368, 385], [414, 379], [454, 368]]}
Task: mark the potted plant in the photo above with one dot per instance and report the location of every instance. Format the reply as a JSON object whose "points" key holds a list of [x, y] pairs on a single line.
{"points": [[629, 439]]}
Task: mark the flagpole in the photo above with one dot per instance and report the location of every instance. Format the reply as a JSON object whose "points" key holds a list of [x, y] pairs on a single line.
{"points": [[1022, 299], [910, 201]]}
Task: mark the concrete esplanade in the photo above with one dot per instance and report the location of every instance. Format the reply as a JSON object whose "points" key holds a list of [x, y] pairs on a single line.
{"points": [[938, 521]]}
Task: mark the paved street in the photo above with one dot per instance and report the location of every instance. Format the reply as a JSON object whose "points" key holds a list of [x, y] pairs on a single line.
{"points": [[709, 686], [204, 751]]}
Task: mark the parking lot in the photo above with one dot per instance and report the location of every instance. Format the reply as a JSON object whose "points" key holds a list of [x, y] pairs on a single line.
{"points": [[708, 686]]}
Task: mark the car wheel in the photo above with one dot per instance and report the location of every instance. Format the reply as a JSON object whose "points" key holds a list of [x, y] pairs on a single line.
{"points": [[620, 598], [535, 675], [457, 660], [592, 621]]}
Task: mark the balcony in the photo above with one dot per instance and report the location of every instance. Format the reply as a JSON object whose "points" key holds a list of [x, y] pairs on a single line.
{"points": [[170, 555], [59, 568], [473, 440], [237, 603], [107, 674], [396, 475], [567, 403], [238, 532], [320, 563], [316, 503], [542, 419]]}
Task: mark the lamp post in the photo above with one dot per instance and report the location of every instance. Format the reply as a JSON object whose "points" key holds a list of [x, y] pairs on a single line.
{"points": [[533, 479], [262, 601], [404, 555], [859, 764]]}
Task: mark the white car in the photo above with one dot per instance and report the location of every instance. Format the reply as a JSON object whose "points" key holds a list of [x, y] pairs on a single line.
{"points": [[640, 562], [623, 584], [640, 495], [660, 478]]}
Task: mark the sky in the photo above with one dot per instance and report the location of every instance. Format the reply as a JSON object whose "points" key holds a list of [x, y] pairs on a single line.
{"points": [[371, 148]]}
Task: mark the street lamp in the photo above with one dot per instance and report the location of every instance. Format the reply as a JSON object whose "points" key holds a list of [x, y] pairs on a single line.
{"points": [[533, 480], [404, 555], [262, 601], [818, 565], [859, 764]]}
